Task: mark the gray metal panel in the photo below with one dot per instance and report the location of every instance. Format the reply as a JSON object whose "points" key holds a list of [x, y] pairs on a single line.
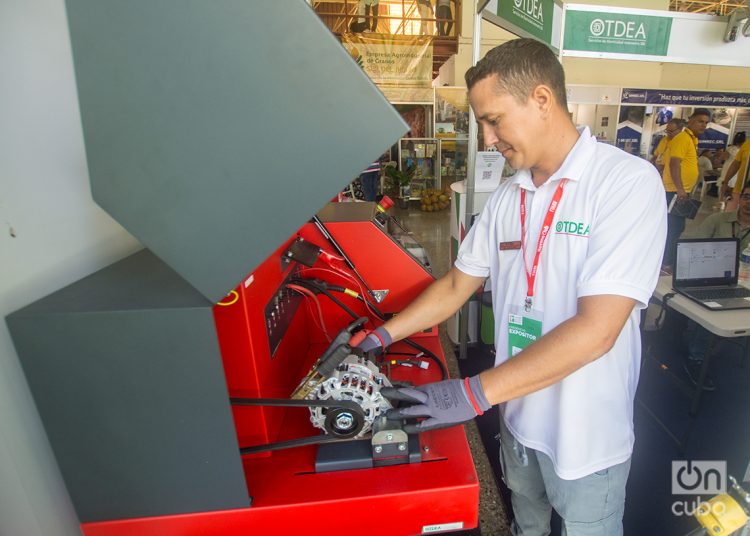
{"points": [[338, 212], [134, 400], [139, 281], [215, 129]]}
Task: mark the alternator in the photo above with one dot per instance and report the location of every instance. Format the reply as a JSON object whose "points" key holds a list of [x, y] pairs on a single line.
{"points": [[356, 379]]}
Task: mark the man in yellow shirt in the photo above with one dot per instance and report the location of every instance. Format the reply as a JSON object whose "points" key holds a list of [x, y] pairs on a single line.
{"points": [[740, 163], [673, 127], [681, 174]]}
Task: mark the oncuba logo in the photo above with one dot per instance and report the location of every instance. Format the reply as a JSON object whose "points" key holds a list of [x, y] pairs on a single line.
{"points": [[575, 228], [618, 29]]}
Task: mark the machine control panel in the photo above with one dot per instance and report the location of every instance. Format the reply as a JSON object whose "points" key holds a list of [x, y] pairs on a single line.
{"points": [[279, 312]]}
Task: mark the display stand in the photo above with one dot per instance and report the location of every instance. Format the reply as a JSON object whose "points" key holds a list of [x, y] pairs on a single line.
{"points": [[424, 154], [459, 228]]}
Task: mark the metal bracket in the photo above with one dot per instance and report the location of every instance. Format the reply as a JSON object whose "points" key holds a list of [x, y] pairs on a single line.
{"points": [[390, 444], [380, 295]]}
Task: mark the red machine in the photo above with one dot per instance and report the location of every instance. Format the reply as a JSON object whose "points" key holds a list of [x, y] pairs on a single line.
{"points": [[272, 329]]}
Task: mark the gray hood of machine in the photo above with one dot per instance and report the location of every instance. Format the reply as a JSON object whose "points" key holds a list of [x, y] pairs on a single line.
{"points": [[214, 130]]}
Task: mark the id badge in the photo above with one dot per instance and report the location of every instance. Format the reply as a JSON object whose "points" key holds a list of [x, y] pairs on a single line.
{"points": [[524, 327]]}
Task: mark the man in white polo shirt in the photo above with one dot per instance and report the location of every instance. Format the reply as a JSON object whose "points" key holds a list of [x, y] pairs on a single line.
{"points": [[572, 245]]}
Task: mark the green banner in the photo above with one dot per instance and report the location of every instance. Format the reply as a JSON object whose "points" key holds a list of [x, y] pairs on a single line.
{"points": [[533, 16], [618, 33]]}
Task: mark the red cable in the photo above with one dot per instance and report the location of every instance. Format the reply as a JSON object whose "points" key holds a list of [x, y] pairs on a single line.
{"points": [[341, 273], [309, 294], [310, 310], [328, 259], [328, 270]]}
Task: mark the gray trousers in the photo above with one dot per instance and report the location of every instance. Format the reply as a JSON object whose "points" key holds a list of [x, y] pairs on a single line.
{"points": [[589, 506]]}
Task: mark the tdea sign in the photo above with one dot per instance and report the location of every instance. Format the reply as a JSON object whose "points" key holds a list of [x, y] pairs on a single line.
{"points": [[534, 16], [617, 29], [618, 33]]}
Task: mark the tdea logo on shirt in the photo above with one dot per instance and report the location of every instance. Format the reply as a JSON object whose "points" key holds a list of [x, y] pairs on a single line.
{"points": [[575, 228]]}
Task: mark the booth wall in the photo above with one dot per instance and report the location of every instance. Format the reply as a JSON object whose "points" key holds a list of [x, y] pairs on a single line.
{"points": [[635, 4], [714, 77], [609, 72], [51, 234], [612, 72]]}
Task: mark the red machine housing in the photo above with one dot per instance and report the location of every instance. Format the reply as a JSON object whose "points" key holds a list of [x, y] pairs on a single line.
{"points": [[441, 493]]}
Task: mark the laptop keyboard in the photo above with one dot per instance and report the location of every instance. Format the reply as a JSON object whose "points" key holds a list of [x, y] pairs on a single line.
{"points": [[720, 293]]}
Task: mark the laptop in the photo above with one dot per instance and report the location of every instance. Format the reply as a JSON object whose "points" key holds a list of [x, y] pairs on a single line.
{"points": [[706, 272]]}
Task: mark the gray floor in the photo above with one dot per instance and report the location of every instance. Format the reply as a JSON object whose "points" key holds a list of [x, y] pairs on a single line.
{"points": [[432, 230]]}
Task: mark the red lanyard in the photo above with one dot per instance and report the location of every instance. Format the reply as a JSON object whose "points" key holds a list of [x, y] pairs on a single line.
{"points": [[531, 275]]}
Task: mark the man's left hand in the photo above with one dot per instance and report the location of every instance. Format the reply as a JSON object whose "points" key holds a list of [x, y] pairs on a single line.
{"points": [[445, 403]]}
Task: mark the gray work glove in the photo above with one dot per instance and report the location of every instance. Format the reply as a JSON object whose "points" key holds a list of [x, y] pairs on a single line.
{"points": [[446, 403], [374, 341]]}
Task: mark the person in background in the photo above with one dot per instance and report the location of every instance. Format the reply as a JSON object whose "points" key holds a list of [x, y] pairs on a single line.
{"points": [[663, 116], [425, 13], [733, 224], [680, 175], [370, 178], [445, 17], [674, 127], [705, 165], [731, 171], [566, 302], [371, 8], [359, 23]]}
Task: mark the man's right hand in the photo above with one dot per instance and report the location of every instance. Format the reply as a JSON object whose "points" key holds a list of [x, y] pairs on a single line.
{"points": [[372, 341]]}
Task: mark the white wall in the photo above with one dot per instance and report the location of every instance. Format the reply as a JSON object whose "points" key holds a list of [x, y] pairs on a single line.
{"points": [[60, 236]]}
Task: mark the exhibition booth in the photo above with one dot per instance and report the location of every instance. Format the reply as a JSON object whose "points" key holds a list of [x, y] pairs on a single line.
{"points": [[209, 378]]}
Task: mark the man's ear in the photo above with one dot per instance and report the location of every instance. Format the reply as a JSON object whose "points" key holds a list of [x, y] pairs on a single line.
{"points": [[543, 98]]}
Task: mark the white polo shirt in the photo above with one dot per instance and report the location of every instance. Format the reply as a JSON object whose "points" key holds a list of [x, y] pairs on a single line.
{"points": [[607, 237]]}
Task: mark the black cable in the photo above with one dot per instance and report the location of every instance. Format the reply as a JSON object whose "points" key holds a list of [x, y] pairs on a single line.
{"points": [[368, 304], [316, 286], [659, 319], [308, 284], [407, 363], [324, 230], [429, 354]]}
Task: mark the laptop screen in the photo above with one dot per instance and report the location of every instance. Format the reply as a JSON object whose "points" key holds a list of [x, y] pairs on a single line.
{"points": [[706, 261]]}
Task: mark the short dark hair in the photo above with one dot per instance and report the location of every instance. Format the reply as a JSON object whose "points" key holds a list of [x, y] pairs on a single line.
{"points": [[701, 111], [674, 122], [738, 139], [520, 66]]}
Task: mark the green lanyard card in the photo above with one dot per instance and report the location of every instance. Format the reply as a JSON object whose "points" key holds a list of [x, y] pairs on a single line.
{"points": [[523, 329]]}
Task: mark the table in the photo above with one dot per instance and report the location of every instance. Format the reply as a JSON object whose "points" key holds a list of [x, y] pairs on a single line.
{"points": [[721, 324], [735, 323]]}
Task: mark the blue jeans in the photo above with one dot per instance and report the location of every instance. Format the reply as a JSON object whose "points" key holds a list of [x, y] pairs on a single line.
{"points": [[589, 506], [370, 184], [675, 226]]}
